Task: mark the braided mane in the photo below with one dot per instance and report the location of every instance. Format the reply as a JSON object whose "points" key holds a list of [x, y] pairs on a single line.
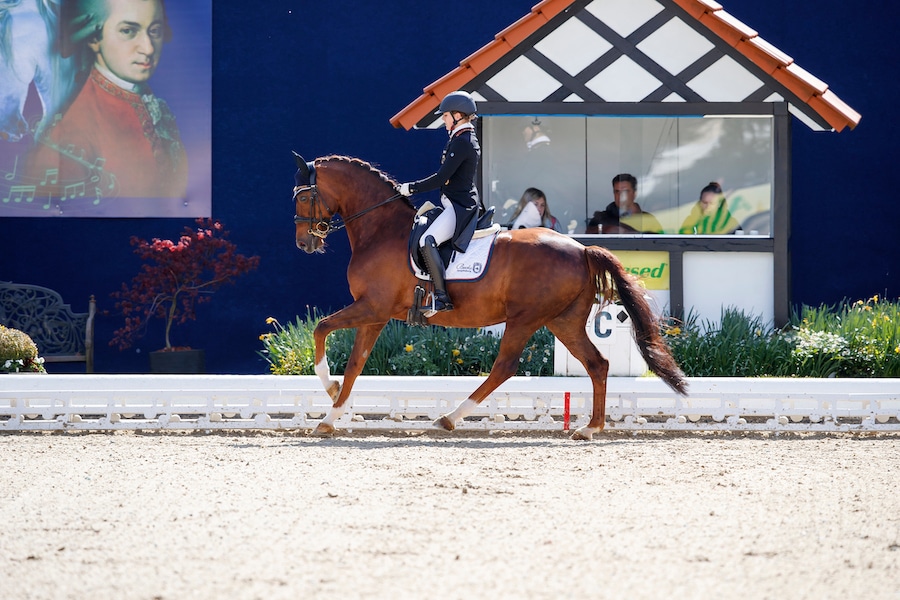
{"points": [[360, 163], [363, 165]]}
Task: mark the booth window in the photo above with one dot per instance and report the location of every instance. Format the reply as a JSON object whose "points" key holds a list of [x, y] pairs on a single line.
{"points": [[573, 160]]}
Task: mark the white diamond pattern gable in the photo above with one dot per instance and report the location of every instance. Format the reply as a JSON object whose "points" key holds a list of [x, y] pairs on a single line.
{"points": [[675, 46], [523, 81], [573, 46], [725, 81], [624, 16]]}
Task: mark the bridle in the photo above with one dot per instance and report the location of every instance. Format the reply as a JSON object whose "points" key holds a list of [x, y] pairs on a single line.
{"points": [[322, 227]]}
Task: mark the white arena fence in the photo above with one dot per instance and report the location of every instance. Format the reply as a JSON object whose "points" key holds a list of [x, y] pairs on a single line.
{"points": [[39, 402]]}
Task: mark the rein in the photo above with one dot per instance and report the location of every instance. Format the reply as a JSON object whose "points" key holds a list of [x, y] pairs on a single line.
{"points": [[323, 227]]}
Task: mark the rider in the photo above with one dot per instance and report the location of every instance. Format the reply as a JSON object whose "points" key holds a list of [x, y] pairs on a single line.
{"points": [[459, 196]]}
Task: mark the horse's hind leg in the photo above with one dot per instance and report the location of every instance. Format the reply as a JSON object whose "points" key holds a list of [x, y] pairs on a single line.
{"points": [[580, 345], [511, 347]]}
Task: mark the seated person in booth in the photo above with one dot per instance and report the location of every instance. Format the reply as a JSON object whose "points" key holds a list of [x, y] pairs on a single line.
{"points": [[116, 135], [624, 215], [710, 215], [532, 211]]}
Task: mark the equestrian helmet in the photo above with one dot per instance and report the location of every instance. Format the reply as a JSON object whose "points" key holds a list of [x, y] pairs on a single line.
{"points": [[460, 101]]}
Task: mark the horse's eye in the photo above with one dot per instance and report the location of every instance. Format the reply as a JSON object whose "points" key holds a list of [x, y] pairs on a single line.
{"points": [[303, 198]]}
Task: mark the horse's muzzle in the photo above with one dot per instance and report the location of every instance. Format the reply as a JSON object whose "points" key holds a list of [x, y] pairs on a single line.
{"points": [[310, 244]]}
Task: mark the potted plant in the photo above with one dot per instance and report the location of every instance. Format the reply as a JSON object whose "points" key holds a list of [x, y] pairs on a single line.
{"points": [[175, 277]]}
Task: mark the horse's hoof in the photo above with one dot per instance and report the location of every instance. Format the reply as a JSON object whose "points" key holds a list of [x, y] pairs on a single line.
{"points": [[444, 423], [324, 430], [334, 390], [584, 434]]}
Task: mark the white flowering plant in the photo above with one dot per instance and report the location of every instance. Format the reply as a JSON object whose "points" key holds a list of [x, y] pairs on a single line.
{"points": [[18, 352]]}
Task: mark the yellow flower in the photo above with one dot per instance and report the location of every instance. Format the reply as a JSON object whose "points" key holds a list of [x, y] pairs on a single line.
{"points": [[408, 348], [270, 320], [674, 331], [459, 361], [875, 298], [455, 352]]}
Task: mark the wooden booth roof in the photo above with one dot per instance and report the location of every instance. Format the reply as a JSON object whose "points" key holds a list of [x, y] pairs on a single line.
{"points": [[633, 51]]}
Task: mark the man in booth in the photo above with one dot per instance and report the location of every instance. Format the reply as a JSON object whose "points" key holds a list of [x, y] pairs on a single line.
{"points": [[624, 215]]}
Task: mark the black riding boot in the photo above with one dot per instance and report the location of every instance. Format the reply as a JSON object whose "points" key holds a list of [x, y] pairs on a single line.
{"points": [[441, 301]]}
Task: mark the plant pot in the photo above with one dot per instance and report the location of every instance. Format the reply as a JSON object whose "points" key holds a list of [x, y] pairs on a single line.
{"points": [[178, 361]]}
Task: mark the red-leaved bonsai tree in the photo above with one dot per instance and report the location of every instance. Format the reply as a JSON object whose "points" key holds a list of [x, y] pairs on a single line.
{"points": [[176, 277]]}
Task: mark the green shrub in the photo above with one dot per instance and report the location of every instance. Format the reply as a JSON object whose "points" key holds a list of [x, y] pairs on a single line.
{"points": [[18, 352], [850, 339], [400, 350], [739, 346]]}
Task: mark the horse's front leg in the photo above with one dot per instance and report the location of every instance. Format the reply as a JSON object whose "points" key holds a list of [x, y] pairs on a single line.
{"points": [[366, 336]]}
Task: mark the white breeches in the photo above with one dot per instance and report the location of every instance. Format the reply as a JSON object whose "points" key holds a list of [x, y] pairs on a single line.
{"points": [[443, 227]]}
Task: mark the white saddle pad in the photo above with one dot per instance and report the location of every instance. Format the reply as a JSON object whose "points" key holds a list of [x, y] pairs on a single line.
{"points": [[471, 264]]}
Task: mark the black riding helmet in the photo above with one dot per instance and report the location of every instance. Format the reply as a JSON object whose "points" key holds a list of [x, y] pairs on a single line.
{"points": [[461, 102]]}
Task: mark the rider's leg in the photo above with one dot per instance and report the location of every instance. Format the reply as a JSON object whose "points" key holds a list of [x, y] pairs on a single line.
{"points": [[437, 233], [436, 269]]}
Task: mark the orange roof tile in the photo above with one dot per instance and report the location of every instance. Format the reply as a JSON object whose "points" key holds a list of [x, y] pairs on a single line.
{"points": [[808, 88], [766, 56]]}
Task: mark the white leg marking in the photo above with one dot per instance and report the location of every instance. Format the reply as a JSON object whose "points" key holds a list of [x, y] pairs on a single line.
{"points": [[324, 372], [462, 411], [334, 414]]}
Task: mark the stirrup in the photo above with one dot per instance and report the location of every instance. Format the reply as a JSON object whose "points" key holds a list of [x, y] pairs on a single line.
{"points": [[437, 305]]}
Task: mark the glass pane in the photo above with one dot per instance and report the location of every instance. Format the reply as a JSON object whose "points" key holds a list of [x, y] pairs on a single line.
{"points": [[574, 159], [541, 152], [737, 155]]}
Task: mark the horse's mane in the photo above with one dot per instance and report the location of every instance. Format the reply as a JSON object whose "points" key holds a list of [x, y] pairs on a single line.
{"points": [[358, 162]]}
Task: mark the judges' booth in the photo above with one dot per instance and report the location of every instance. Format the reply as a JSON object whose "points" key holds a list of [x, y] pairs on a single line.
{"points": [[670, 98]]}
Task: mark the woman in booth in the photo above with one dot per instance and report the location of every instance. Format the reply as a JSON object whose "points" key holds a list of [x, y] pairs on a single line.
{"points": [[532, 211], [710, 214]]}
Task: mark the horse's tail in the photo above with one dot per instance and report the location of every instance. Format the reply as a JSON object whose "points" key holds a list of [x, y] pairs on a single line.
{"points": [[612, 280]]}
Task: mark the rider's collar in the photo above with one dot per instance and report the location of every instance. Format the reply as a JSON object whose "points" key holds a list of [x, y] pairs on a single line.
{"points": [[460, 128]]}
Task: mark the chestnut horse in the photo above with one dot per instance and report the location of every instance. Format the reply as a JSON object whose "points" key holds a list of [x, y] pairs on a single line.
{"points": [[536, 277]]}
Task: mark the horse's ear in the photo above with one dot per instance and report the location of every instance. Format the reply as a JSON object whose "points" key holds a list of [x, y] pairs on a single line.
{"points": [[301, 164]]}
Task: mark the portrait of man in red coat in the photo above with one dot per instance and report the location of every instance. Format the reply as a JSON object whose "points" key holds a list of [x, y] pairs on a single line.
{"points": [[116, 139]]}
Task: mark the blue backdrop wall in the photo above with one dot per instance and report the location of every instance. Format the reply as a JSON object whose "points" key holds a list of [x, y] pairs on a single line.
{"points": [[321, 78]]}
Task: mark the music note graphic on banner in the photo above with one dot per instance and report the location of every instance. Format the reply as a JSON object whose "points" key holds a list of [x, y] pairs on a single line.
{"points": [[51, 175], [97, 169], [49, 202], [18, 193], [98, 195], [75, 189], [11, 176]]}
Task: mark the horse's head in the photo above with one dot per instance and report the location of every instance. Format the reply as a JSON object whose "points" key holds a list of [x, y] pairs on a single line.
{"points": [[345, 186], [312, 220]]}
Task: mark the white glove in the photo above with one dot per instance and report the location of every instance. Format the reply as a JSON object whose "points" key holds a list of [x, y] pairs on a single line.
{"points": [[403, 189]]}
